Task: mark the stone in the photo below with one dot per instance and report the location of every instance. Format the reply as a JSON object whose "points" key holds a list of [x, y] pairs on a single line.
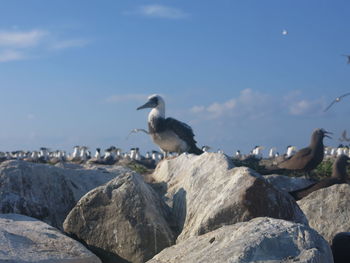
{"points": [[44, 191], [328, 210], [288, 183], [25, 239], [206, 192], [263, 240], [122, 221]]}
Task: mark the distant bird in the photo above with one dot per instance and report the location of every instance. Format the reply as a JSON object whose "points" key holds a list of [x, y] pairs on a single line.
{"points": [[307, 158], [344, 137], [284, 32], [337, 99], [169, 134], [348, 57], [339, 176], [272, 152], [291, 150], [206, 148]]}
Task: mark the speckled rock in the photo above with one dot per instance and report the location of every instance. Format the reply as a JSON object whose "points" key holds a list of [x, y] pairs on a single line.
{"points": [[24, 239], [328, 210], [263, 240], [122, 221], [207, 192], [44, 191]]}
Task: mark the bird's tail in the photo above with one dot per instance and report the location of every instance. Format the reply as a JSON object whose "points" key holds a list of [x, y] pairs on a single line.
{"points": [[195, 150]]}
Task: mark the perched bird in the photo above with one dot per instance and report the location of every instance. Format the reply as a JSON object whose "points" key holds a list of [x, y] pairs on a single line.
{"points": [[291, 150], [307, 158], [339, 176], [337, 99], [169, 134]]}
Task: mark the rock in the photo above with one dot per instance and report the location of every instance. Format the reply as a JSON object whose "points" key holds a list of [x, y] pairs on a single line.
{"points": [[44, 191], [25, 239], [206, 192], [288, 183], [121, 221], [258, 240], [327, 210]]}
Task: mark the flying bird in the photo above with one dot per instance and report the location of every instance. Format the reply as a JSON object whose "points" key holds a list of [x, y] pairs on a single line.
{"points": [[348, 57], [344, 137], [169, 134], [307, 158], [337, 99], [284, 32]]}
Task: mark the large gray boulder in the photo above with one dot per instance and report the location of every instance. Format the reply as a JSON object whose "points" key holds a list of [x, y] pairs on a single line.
{"points": [[328, 210], [44, 191], [259, 240], [207, 192], [25, 239], [122, 221], [288, 183]]}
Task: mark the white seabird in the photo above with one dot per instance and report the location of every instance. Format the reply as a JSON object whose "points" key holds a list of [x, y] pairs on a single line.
{"points": [[169, 134]]}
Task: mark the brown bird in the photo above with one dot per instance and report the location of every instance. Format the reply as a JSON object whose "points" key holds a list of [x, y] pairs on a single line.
{"points": [[348, 57], [339, 176], [307, 158]]}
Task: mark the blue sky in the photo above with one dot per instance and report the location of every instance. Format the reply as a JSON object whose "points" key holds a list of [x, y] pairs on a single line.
{"points": [[74, 72]]}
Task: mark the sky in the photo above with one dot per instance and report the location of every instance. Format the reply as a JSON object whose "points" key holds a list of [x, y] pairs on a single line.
{"points": [[74, 72]]}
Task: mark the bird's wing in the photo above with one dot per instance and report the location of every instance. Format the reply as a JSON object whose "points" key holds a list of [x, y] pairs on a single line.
{"points": [[297, 161], [181, 129], [344, 136], [330, 105], [344, 95]]}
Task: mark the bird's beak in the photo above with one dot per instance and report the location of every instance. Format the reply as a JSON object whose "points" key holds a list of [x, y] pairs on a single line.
{"points": [[148, 104], [326, 134]]}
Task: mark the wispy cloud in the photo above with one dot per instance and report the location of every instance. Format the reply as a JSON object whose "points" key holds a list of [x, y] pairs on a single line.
{"points": [[159, 11], [21, 39], [10, 55], [71, 43], [252, 104], [249, 104], [18, 44], [297, 105], [126, 98]]}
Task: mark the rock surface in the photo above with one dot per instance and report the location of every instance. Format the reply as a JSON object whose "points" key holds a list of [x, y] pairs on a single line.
{"points": [[122, 221], [328, 210], [44, 191], [259, 240], [288, 183], [25, 239], [206, 192]]}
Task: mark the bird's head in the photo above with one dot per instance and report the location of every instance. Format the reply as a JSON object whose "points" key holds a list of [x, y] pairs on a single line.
{"points": [[321, 133], [153, 102]]}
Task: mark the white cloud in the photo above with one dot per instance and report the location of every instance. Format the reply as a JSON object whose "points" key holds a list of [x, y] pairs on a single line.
{"points": [[249, 104], [126, 98], [21, 39], [19, 45], [159, 11], [70, 43], [10, 55], [298, 105]]}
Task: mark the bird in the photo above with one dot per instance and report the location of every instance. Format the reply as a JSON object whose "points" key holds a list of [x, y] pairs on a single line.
{"points": [[337, 99], [307, 158], [169, 134], [348, 57], [339, 176], [344, 137], [284, 32]]}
